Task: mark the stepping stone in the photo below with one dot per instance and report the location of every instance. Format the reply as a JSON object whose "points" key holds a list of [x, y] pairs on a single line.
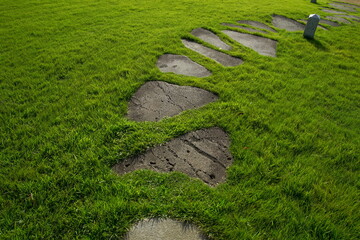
{"points": [[264, 46], [331, 23], [164, 229], [210, 37], [155, 100], [348, 16], [257, 24], [339, 19], [327, 10], [202, 154], [217, 56], [287, 23], [244, 28], [348, 4], [342, 7], [181, 65]]}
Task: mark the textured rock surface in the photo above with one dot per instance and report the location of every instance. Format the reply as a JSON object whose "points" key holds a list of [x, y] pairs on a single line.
{"points": [[181, 65], [244, 28], [328, 22], [257, 24], [332, 11], [263, 46], [287, 23], [348, 16], [343, 7], [210, 38], [200, 154], [164, 229], [339, 19], [217, 56], [155, 100]]}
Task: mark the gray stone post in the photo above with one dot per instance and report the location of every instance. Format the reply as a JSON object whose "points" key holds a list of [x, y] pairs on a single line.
{"points": [[311, 26], [313, 1]]}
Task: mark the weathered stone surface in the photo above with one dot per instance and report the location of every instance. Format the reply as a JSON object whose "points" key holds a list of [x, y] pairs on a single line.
{"points": [[210, 37], [349, 4], [181, 65], [202, 154], [263, 46], [217, 56], [343, 7], [311, 26], [327, 10], [164, 229], [348, 16], [244, 28], [328, 22], [287, 23], [339, 19], [257, 24], [155, 100]]}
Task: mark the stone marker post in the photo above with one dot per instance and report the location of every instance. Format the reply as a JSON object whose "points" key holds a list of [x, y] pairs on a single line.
{"points": [[311, 26], [313, 1]]}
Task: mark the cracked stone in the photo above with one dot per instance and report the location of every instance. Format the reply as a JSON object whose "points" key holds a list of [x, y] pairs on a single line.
{"points": [[181, 65], [287, 23], [243, 28], [343, 7], [155, 100], [339, 19], [327, 10], [202, 154], [263, 46], [210, 37], [257, 24], [164, 229], [217, 56]]}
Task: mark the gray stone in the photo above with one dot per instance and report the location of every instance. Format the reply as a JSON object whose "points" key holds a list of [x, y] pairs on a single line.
{"points": [[332, 11], [339, 19], [256, 24], [311, 26], [202, 154], [347, 4], [348, 16], [164, 229], [155, 100], [244, 28], [217, 56], [181, 65], [342, 7], [210, 38], [263, 46], [287, 23], [313, 1], [328, 22]]}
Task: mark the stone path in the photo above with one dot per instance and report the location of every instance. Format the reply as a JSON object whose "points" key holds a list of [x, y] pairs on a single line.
{"points": [[181, 65], [202, 154], [155, 100], [164, 229]]}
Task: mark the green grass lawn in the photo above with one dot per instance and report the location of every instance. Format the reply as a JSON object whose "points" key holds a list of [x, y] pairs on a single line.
{"points": [[68, 69]]}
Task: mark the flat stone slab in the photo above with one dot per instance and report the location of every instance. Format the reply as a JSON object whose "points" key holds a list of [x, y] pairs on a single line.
{"points": [[243, 28], [348, 16], [155, 100], [327, 10], [264, 46], [287, 23], [164, 229], [257, 24], [210, 37], [339, 19], [181, 65], [343, 7], [202, 154], [331, 23], [217, 56], [348, 4]]}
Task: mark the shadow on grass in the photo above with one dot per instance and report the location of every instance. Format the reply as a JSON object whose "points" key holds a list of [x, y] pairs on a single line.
{"points": [[317, 44]]}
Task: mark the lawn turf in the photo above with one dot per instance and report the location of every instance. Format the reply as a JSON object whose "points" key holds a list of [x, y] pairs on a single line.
{"points": [[68, 68]]}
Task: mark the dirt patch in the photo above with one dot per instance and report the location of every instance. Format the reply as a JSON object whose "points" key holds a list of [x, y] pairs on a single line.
{"points": [[257, 24], [243, 28], [202, 154], [155, 100], [288, 24], [263, 46], [164, 229], [181, 65], [210, 38], [217, 56]]}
